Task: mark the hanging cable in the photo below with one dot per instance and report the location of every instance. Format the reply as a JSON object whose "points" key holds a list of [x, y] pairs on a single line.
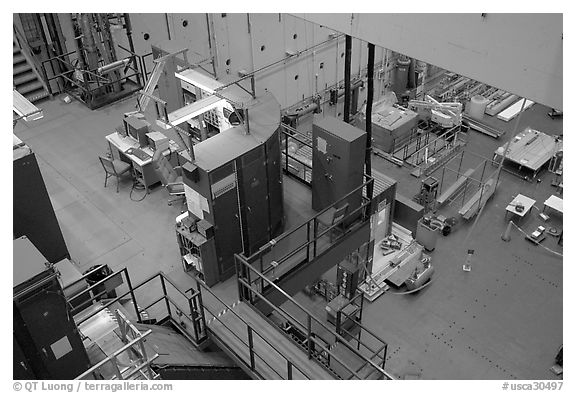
{"points": [[538, 244], [413, 290], [499, 170], [136, 185]]}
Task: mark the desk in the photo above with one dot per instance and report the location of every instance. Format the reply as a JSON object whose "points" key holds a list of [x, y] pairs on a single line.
{"points": [[145, 172], [554, 203], [528, 203]]}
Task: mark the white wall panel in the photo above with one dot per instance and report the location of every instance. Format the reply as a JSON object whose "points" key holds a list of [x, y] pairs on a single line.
{"points": [[233, 42], [191, 30], [154, 27], [521, 53]]}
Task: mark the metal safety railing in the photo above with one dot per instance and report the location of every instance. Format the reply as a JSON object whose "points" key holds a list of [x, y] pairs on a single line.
{"points": [[88, 85], [254, 359], [306, 241], [129, 361], [296, 154], [372, 359], [184, 311], [420, 158]]}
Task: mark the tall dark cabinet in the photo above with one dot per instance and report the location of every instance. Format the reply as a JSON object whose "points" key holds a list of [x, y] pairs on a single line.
{"points": [[47, 341], [34, 215], [235, 185], [337, 162]]}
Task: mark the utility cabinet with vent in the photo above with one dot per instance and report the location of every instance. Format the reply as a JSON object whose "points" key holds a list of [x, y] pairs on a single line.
{"points": [[337, 161]]}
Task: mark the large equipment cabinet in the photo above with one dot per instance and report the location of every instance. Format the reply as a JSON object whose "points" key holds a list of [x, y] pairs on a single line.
{"points": [[337, 162], [47, 341], [236, 185], [34, 215]]}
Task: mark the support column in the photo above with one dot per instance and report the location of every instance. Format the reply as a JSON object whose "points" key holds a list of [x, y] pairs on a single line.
{"points": [[369, 100], [347, 61]]}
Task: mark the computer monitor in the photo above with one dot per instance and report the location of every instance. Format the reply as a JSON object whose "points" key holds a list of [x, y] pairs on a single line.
{"points": [[142, 138], [137, 129], [123, 130]]}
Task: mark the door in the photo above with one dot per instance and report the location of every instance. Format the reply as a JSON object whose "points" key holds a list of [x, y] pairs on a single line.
{"points": [[255, 191]]}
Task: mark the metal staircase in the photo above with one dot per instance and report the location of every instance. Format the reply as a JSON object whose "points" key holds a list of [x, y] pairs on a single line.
{"points": [[25, 77]]}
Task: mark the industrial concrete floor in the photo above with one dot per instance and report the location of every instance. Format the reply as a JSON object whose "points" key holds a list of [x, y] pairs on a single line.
{"points": [[503, 320]]}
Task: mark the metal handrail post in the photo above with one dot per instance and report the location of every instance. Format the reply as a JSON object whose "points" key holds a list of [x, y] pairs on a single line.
{"points": [[251, 347], [165, 296], [129, 283], [309, 333]]}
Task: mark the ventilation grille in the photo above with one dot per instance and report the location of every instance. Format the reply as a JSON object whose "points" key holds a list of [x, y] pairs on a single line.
{"points": [[223, 186]]}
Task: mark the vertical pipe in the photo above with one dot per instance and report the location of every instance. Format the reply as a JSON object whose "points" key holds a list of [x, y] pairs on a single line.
{"points": [[77, 29], [168, 26], [128, 27], [498, 173], [347, 62], [369, 101]]}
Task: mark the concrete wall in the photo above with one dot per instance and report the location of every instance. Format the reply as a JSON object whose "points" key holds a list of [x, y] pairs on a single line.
{"points": [[251, 41], [520, 53]]}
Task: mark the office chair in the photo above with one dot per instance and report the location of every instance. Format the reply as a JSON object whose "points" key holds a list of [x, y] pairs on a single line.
{"points": [[168, 176], [333, 216], [116, 168]]}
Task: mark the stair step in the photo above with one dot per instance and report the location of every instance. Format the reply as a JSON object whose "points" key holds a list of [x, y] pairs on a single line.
{"points": [[27, 77], [22, 68], [15, 49], [19, 58], [29, 87], [36, 96]]}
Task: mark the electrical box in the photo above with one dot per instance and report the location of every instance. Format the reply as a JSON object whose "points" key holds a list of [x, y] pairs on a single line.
{"points": [[337, 161], [347, 277]]}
